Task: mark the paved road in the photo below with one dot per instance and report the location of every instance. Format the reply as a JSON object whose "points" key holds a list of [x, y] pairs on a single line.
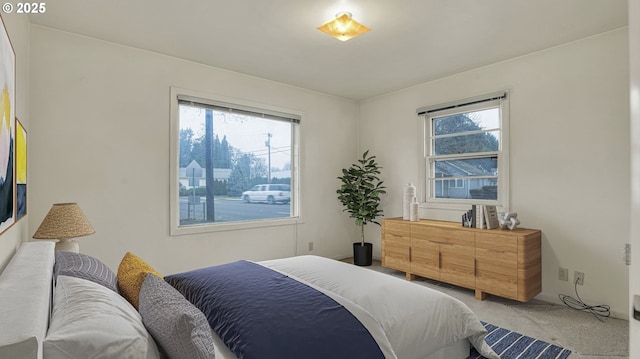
{"points": [[231, 209]]}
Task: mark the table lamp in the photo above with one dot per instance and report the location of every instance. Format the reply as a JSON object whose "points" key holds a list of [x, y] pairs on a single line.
{"points": [[64, 222]]}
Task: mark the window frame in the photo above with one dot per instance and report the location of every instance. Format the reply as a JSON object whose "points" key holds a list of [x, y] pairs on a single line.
{"points": [[180, 94], [451, 208]]}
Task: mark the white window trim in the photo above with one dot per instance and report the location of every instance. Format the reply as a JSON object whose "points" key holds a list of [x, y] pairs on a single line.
{"points": [[452, 209], [174, 196]]}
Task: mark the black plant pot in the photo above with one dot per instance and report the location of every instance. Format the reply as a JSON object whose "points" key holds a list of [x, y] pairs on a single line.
{"points": [[362, 254]]}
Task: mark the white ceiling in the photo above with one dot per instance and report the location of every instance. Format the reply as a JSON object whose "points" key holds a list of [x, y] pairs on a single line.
{"points": [[411, 41]]}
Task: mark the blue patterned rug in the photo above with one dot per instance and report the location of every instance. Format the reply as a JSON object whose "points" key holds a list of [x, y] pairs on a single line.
{"points": [[512, 345]]}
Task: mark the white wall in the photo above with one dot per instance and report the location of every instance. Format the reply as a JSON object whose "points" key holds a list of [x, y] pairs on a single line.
{"points": [[569, 111], [634, 271], [100, 137], [18, 29]]}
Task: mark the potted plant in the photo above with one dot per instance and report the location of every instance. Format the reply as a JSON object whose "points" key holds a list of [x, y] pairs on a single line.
{"points": [[360, 195]]}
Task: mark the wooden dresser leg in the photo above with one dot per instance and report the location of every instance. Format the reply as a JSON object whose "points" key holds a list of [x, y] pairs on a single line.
{"points": [[410, 276], [480, 295]]}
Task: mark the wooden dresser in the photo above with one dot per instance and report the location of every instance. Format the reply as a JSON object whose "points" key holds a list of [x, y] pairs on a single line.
{"points": [[491, 261]]}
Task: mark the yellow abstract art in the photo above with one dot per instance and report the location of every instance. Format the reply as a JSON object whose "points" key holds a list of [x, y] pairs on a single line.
{"points": [[21, 170]]}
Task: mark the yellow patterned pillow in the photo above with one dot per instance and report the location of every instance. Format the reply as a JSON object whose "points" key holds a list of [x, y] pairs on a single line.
{"points": [[131, 274]]}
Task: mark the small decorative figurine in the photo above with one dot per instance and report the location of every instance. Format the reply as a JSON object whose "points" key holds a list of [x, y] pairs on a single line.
{"points": [[509, 220]]}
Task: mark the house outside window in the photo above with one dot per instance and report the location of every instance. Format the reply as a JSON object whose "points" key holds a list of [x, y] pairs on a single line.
{"points": [[466, 152], [456, 183], [233, 165]]}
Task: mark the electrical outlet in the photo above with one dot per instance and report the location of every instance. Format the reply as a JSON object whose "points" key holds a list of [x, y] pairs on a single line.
{"points": [[578, 277], [310, 246], [563, 274]]}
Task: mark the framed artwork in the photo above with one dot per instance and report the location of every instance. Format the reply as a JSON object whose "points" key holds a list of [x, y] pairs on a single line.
{"points": [[21, 170], [7, 127]]}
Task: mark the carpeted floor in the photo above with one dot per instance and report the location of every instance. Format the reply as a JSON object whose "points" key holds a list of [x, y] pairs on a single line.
{"points": [[580, 332]]}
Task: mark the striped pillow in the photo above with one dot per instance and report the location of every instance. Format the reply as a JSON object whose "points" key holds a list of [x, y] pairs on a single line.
{"points": [[179, 328], [86, 267]]}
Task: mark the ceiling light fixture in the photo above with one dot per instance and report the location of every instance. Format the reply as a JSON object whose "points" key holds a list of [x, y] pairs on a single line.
{"points": [[343, 27]]}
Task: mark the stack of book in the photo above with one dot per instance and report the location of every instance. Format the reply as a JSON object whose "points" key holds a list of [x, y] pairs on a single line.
{"points": [[481, 216]]}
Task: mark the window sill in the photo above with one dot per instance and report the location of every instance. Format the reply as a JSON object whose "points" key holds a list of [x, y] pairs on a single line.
{"points": [[448, 211], [233, 226]]}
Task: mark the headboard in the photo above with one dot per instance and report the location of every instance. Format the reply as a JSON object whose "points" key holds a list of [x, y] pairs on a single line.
{"points": [[25, 297]]}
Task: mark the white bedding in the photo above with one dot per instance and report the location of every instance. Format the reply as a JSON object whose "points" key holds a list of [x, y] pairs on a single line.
{"points": [[416, 321]]}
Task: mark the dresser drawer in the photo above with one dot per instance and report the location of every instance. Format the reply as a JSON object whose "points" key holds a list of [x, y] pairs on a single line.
{"points": [[443, 235], [396, 246], [494, 241], [398, 229]]}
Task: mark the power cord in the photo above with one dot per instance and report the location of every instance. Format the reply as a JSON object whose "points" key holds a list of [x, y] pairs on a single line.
{"points": [[577, 304]]}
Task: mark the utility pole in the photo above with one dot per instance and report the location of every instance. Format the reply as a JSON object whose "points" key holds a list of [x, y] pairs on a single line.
{"points": [[268, 144], [209, 165]]}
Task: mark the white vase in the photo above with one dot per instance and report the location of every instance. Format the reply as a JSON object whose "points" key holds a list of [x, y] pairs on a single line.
{"points": [[408, 193]]}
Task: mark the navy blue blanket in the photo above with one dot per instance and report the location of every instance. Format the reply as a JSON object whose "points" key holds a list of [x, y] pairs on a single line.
{"points": [[260, 314]]}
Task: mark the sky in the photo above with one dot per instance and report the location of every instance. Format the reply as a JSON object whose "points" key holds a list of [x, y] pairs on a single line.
{"points": [[246, 133]]}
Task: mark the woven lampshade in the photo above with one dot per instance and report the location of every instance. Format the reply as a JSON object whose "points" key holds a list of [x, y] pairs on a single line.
{"points": [[64, 220]]}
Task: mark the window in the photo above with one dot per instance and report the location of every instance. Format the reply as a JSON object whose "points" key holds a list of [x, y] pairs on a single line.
{"points": [[456, 183], [466, 151], [234, 164]]}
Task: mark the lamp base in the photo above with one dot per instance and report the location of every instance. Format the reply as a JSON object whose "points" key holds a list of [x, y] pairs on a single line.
{"points": [[68, 245]]}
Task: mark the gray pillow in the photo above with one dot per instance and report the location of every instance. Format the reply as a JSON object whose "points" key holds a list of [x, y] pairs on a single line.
{"points": [[178, 327], [86, 267]]}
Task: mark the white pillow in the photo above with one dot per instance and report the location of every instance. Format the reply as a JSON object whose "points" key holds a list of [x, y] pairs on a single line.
{"points": [[92, 321]]}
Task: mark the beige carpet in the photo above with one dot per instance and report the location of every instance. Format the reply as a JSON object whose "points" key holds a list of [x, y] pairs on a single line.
{"points": [[580, 332]]}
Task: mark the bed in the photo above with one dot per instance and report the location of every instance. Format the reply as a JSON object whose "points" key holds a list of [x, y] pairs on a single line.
{"points": [[404, 320]]}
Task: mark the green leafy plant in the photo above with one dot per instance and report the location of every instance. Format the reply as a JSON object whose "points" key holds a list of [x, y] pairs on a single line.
{"points": [[360, 191]]}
